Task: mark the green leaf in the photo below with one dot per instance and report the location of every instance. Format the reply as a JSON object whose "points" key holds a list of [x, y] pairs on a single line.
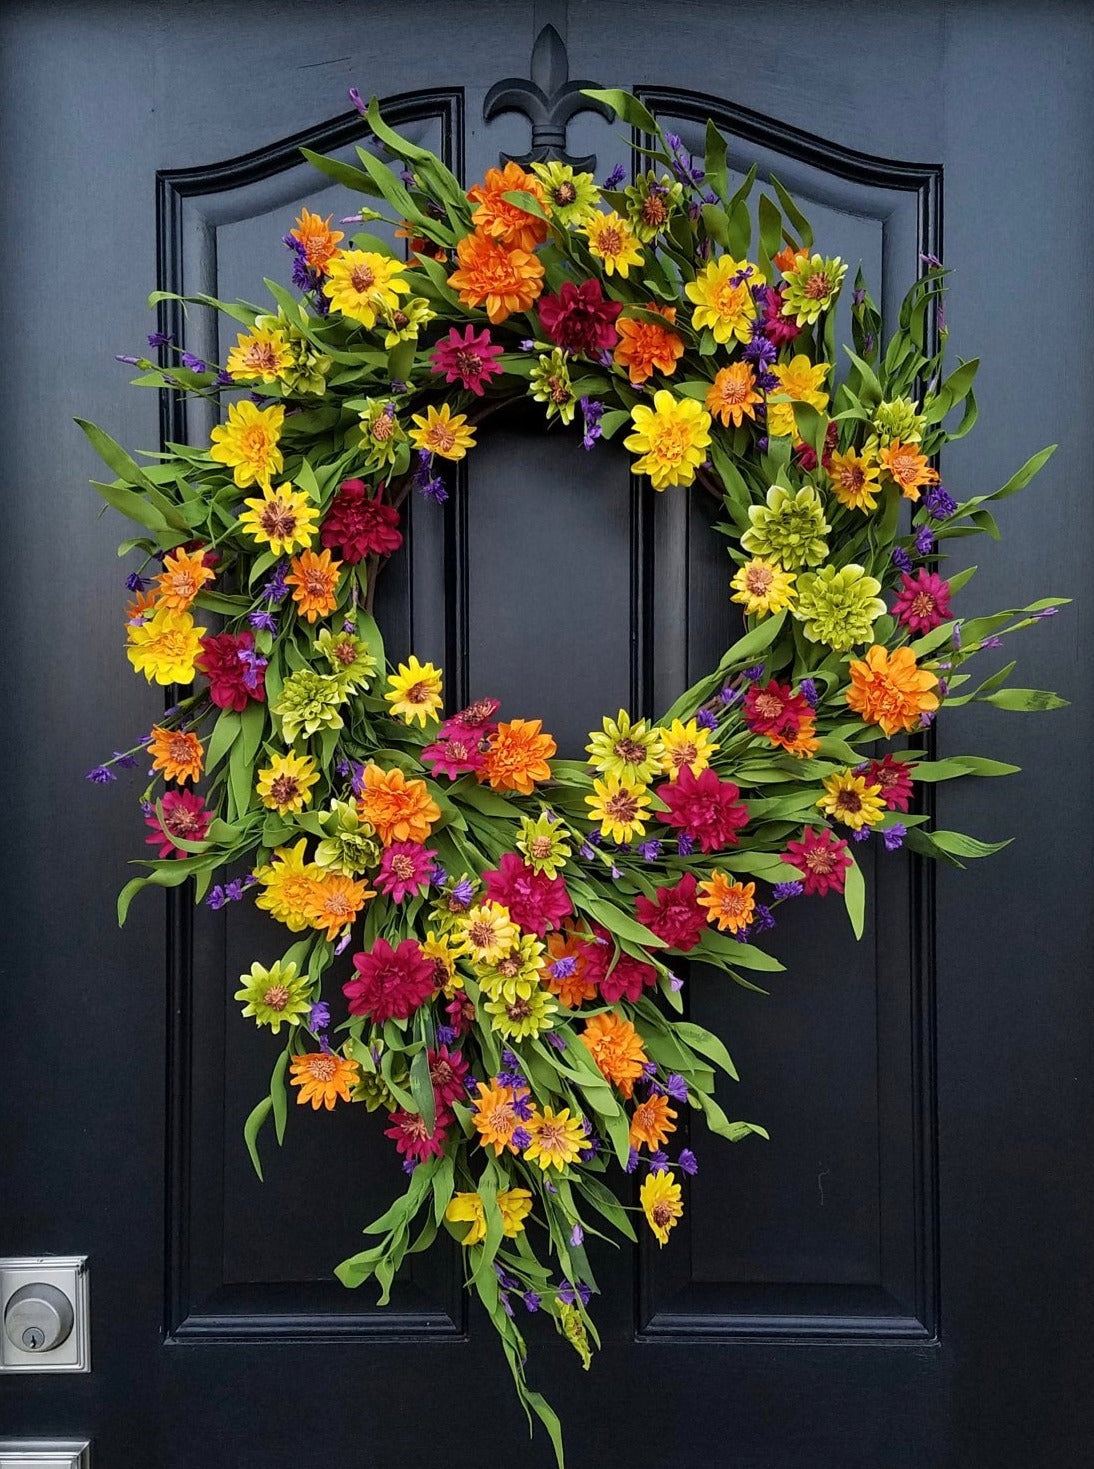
{"points": [[279, 1100], [955, 766], [854, 896], [707, 1044], [621, 924], [959, 845], [1039, 699], [421, 1085], [252, 1127], [717, 175], [625, 107], [225, 732], [794, 214]]}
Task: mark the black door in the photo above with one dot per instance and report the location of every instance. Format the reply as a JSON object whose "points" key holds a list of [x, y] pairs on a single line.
{"points": [[901, 1276]]}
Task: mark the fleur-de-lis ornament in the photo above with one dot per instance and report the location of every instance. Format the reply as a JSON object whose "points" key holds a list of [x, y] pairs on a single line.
{"points": [[549, 100]]}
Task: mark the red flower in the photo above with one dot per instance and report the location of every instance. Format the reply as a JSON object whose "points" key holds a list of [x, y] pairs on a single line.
{"points": [[358, 525], [535, 901], [627, 979], [923, 601], [579, 319], [676, 916], [413, 1139], [774, 708], [454, 756], [447, 1070], [468, 360], [235, 675], [822, 859], [704, 807], [776, 327], [460, 1012], [184, 815], [391, 983], [894, 778]]}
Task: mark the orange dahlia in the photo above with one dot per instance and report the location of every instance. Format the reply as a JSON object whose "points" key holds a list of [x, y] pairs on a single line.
{"points": [[890, 690], [570, 980], [500, 279], [518, 756], [904, 464], [617, 1049], [646, 345], [177, 752], [733, 396], [323, 1078], [495, 1116], [314, 581], [318, 242], [182, 578], [729, 904], [652, 1122], [506, 222], [336, 901], [399, 810]]}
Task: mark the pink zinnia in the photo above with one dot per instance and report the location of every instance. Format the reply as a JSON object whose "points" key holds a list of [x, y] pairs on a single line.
{"points": [[535, 901], [627, 980], [468, 359], [895, 779], [235, 675], [822, 859], [447, 1070], [460, 1012], [391, 983], [704, 807], [675, 916], [923, 601], [453, 757], [774, 708], [184, 815], [413, 1138], [404, 870], [476, 722], [359, 525], [776, 327], [579, 319]]}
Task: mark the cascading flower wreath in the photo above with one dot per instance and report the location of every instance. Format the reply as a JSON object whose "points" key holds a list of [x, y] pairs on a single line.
{"points": [[512, 922]]}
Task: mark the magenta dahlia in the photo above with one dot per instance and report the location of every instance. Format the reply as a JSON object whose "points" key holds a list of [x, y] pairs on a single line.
{"points": [[391, 983], [359, 524], [923, 601], [405, 868], [236, 674], [579, 319], [469, 359], [535, 901], [185, 815], [675, 915], [704, 807]]}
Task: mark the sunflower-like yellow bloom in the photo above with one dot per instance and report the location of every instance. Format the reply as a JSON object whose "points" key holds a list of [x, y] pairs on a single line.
{"points": [[722, 293], [260, 355], [284, 519], [763, 586], [661, 1203], [631, 752], [613, 242], [557, 1138], [686, 744], [289, 886], [248, 443], [164, 646], [362, 284], [440, 431], [414, 692], [801, 380], [285, 784], [488, 932], [671, 437], [439, 949], [854, 479], [621, 808], [851, 799]]}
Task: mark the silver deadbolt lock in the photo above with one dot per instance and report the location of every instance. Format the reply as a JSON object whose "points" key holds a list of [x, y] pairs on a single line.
{"points": [[38, 1318]]}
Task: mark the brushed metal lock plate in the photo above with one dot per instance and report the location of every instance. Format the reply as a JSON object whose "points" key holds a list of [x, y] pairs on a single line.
{"points": [[66, 1274], [40, 1453]]}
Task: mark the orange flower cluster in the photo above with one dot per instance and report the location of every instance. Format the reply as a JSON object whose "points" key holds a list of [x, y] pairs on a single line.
{"points": [[497, 268]]}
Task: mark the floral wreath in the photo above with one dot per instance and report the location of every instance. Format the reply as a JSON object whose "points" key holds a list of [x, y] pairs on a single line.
{"points": [[488, 937]]}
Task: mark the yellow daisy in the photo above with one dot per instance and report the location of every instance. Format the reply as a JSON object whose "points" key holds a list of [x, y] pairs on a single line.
{"points": [[248, 443], [661, 1203], [164, 646], [284, 519], [557, 1138], [850, 799], [722, 294], [439, 949], [468, 1209], [515, 1205], [671, 437], [362, 285], [262, 354], [612, 241], [488, 932], [442, 432], [801, 380], [854, 479], [620, 808], [763, 586], [285, 784], [414, 691], [289, 886], [686, 744]]}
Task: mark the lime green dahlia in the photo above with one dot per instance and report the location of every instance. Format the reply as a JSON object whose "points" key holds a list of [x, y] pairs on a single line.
{"points": [[898, 419], [789, 528], [551, 385], [348, 657], [838, 607], [308, 702], [650, 204], [544, 844], [276, 996], [349, 845], [811, 287]]}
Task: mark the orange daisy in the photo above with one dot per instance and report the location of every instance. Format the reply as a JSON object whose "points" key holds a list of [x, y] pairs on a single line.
{"points": [[495, 1116], [323, 1078], [182, 578], [178, 753], [335, 902], [908, 467], [507, 222], [399, 810], [314, 581], [729, 904], [574, 987], [518, 756], [490, 275], [652, 1122], [646, 345], [319, 241], [617, 1049], [732, 395], [891, 690]]}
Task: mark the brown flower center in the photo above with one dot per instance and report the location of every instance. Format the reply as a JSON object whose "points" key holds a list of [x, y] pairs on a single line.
{"points": [[284, 789], [817, 286], [276, 997], [564, 194], [662, 1215], [541, 848], [323, 1067], [362, 279], [758, 580], [278, 520], [630, 751], [403, 867]]}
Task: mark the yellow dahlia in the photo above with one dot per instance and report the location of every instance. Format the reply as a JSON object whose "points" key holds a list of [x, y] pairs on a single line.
{"points": [[671, 437], [850, 798], [801, 380], [164, 646], [488, 932], [613, 242], [414, 692], [363, 285], [620, 807], [661, 1203], [288, 886], [286, 783], [686, 745], [557, 1138], [248, 443], [262, 355], [722, 293], [763, 587], [440, 431], [284, 519]]}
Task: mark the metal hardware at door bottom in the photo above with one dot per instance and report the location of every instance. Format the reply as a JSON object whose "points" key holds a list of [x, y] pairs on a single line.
{"points": [[44, 1453]]}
